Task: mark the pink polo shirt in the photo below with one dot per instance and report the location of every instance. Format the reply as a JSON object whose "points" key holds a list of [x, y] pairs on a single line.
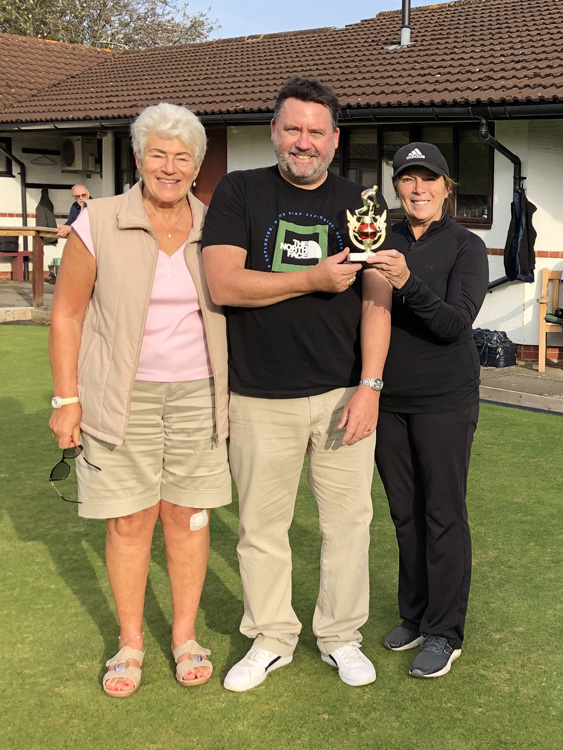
{"points": [[174, 347]]}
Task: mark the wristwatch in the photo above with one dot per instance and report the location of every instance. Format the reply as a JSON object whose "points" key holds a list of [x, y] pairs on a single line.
{"points": [[57, 401], [376, 384]]}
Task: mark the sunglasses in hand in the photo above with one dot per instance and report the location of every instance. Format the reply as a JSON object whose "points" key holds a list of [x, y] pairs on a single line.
{"points": [[61, 470]]}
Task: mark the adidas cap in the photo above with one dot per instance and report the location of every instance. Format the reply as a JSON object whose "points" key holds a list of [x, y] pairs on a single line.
{"points": [[419, 155]]}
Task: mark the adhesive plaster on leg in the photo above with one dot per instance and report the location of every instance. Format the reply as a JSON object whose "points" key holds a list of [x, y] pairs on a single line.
{"points": [[199, 520]]}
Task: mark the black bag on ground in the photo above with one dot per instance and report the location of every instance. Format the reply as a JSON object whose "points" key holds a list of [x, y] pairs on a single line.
{"points": [[494, 347], [8, 244]]}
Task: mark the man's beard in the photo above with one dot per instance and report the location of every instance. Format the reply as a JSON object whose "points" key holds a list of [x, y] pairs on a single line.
{"points": [[309, 176]]}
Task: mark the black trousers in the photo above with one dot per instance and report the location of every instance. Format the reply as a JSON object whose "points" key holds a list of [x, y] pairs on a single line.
{"points": [[423, 461]]}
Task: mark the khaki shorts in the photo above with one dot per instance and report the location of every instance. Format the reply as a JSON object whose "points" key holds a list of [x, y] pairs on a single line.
{"points": [[169, 452]]}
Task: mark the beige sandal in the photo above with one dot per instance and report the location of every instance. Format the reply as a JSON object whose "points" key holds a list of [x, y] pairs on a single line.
{"points": [[118, 668], [197, 660]]}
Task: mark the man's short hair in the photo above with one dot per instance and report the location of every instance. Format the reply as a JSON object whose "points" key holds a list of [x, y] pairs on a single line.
{"points": [[309, 90]]}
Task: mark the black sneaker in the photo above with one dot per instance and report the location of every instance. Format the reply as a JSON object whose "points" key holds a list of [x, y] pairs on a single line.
{"points": [[435, 658], [401, 639]]}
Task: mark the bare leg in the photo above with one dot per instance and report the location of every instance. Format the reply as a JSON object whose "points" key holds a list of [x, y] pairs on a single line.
{"points": [[128, 549], [187, 554]]}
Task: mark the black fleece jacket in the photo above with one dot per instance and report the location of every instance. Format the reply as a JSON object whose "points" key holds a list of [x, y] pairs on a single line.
{"points": [[432, 365]]}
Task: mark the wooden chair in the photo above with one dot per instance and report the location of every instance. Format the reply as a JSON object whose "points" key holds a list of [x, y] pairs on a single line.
{"points": [[549, 301]]}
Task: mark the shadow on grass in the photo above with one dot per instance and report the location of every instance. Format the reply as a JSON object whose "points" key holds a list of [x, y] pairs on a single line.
{"points": [[38, 515], [76, 546]]}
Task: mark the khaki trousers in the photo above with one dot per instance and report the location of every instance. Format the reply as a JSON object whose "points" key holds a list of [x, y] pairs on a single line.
{"points": [[269, 438]]}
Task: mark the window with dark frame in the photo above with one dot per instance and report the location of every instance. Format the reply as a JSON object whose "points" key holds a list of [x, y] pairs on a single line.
{"points": [[5, 162], [126, 174], [365, 155]]}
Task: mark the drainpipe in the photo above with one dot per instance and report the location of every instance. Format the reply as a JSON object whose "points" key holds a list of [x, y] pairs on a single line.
{"points": [[517, 176], [23, 185], [406, 24], [486, 136]]}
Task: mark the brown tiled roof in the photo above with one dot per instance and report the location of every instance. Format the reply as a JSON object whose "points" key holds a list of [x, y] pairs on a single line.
{"points": [[462, 53], [31, 65]]}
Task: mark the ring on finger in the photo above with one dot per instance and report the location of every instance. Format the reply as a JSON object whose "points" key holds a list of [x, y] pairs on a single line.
{"points": [[367, 429]]}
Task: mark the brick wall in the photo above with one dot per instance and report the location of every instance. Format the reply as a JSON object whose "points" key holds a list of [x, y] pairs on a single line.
{"points": [[529, 353]]}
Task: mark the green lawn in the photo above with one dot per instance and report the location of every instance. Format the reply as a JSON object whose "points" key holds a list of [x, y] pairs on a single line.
{"points": [[58, 624]]}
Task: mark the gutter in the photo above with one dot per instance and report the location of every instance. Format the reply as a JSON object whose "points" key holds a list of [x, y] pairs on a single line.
{"points": [[349, 114], [473, 112], [66, 126]]}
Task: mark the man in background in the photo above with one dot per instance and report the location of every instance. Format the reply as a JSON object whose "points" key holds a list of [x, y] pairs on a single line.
{"points": [[80, 195]]}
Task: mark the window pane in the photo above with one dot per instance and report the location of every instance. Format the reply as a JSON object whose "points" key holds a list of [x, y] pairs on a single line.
{"points": [[335, 163], [362, 165], [127, 173], [5, 163], [392, 142], [473, 175], [441, 136], [468, 157]]}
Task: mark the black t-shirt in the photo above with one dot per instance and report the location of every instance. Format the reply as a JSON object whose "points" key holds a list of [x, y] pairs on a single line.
{"points": [[301, 346], [432, 365]]}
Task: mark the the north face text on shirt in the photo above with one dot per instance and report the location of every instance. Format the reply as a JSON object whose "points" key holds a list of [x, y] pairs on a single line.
{"points": [[298, 247]]}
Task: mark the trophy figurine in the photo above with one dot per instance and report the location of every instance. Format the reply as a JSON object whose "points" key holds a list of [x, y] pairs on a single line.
{"points": [[367, 228]]}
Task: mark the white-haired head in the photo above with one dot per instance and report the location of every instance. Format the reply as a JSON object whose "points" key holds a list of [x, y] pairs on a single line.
{"points": [[169, 121], [79, 191]]}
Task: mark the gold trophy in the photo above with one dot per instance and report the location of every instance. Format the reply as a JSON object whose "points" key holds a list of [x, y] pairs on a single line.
{"points": [[366, 227]]}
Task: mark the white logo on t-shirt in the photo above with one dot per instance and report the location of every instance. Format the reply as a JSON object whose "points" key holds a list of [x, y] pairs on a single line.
{"points": [[302, 249]]}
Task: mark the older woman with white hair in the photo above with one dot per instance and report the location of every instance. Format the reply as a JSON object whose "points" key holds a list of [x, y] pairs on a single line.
{"points": [[138, 353]]}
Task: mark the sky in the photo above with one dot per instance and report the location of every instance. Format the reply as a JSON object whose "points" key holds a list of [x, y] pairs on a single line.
{"points": [[246, 17]]}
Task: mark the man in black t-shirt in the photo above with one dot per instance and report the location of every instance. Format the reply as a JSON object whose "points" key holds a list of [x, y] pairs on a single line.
{"points": [[308, 336]]}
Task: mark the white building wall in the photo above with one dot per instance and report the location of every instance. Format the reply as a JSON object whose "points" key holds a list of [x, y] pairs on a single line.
{"points": [[249, 147], [539, 144], [47, 170]]}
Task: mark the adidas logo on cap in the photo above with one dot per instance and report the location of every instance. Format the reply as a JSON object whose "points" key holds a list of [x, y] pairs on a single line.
{"points": [[415, 154]]}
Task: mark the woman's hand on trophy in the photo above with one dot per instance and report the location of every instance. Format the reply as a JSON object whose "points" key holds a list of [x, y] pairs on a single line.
{"points": [[392, 265]]}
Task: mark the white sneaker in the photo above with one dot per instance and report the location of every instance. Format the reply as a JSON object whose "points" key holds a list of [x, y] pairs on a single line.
{"points": [[353, 667], [253, 669]]}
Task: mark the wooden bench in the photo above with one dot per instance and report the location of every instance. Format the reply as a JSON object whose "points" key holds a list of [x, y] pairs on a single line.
{"points": [[17, 263], [549, 301], [36, 256]]}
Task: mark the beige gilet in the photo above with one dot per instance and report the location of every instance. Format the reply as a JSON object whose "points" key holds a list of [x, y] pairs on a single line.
{"points": [[126, 256]]}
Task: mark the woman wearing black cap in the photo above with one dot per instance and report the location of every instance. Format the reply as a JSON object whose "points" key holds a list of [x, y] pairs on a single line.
{"points": [[429, 406]]}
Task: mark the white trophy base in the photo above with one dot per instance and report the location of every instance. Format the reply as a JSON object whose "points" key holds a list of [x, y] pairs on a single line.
{"points": [[359, 257]]}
